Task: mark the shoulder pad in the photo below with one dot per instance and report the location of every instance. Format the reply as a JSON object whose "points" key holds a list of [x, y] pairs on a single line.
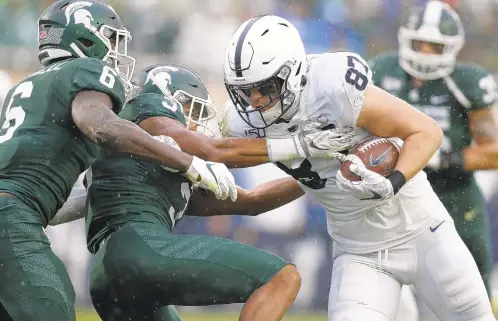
{"points": [[149, 105]]}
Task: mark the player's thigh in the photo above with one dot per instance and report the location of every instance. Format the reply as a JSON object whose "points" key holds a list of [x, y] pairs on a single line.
{"points": [[158, 268], [361, 291], [447, 277], [34, 282]]}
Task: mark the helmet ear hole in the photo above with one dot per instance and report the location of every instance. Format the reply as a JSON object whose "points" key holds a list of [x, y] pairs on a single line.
{"points": [[86, 42]]}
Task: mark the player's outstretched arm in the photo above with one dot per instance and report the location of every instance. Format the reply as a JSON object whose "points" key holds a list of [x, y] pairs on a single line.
{"points": [[252, 202], [385, 115], [246, 152], [483, 126], [92, 113]]}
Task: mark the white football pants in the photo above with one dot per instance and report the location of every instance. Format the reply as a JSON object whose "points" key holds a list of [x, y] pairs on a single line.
{"points": [[438, 264]]}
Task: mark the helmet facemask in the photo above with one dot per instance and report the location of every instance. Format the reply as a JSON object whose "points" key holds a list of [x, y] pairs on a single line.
{"points": [[428, 66], [200, 111], [281, 98], [116, 40]]}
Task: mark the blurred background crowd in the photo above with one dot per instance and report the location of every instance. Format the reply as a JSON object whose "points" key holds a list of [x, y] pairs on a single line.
{"points": [[195, 33]]}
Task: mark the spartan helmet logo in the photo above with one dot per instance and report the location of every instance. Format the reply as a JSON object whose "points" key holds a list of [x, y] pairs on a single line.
{"points": [[161, 78], [81, 15]]}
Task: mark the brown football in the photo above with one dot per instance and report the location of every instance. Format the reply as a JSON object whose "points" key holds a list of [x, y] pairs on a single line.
{"points": [[380, 155]]}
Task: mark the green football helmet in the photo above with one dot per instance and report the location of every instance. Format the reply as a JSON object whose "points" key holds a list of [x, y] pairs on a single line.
{"points": [[90, 28], [184, 86], [437, 23]]}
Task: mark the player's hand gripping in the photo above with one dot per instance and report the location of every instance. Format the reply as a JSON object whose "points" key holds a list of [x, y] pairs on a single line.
{"points": [[372, 185], [214, 177], [311, 142]]}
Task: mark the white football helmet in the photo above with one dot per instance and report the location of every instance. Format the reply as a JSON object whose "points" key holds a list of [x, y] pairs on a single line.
{"points": [[438, 23], [267, 53]]}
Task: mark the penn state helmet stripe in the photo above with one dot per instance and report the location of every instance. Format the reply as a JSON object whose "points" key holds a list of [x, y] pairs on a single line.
{"points": [[433, 13], [239, 46]]}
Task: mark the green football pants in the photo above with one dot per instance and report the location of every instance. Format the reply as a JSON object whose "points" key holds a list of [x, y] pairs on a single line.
{"points": [[143, 267]]}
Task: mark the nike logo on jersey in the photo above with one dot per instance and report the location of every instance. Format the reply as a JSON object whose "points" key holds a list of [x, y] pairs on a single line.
{"points": [[438, 100], [375, 162], [434, 228]]}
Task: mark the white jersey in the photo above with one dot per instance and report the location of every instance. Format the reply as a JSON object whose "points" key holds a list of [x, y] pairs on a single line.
{"points": [[335, 88]]}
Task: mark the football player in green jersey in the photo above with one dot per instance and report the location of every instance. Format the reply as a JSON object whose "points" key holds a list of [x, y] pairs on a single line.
{"points": [[52, 123], [140, 266], [462, 99]]}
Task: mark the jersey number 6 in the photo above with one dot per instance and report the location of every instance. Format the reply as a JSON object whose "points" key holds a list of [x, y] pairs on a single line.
{"points": [[355, 77], [14, 116]]}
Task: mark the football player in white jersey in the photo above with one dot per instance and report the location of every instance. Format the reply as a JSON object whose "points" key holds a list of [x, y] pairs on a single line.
{"points": [[386, 232]]}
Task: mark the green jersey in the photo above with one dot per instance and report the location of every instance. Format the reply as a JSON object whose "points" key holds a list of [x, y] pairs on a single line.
{"points": [[447, 100], [42, 151], [123, 188]]}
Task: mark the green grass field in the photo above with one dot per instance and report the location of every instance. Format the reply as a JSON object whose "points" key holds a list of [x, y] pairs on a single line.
{"points": [[89, 315]]}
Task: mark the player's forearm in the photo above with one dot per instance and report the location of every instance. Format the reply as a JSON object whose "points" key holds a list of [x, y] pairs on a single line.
{"points": [[258, 200], [73, 209], [205, 204], [233, 152], [272, 195], [97, 121], [417, 150], [124, 136], [480, 157], [239, 152]]}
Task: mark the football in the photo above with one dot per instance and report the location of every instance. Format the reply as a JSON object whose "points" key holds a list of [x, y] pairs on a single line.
{"points": [[380, 155]]}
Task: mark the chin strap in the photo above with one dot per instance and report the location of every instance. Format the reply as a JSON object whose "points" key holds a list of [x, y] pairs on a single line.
{"points": [[46, 56]]}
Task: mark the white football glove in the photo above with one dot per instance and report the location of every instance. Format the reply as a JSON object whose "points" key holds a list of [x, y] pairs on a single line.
{"points": [[214, 177], [311, 142], [372, 185]]}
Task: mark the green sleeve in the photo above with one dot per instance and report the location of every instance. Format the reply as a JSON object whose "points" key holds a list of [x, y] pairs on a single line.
{"points": [[152, 105], [93, 74], [477, 85]]}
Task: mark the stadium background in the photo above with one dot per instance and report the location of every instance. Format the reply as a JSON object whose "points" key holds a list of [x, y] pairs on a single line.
{"points": [[194, 33]]}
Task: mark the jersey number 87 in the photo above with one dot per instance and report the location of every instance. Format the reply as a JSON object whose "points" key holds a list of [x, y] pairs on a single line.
{"points": [[355, 77]]}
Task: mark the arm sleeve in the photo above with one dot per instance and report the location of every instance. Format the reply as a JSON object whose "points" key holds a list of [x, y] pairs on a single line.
{"points": [[350, 76], [477, 85]]}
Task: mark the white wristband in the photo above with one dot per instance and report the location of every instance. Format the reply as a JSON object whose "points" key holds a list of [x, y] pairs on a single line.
{"points": [[283, 149]]}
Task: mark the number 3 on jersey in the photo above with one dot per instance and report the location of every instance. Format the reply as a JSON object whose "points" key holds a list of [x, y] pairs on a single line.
{"points": [[355, 77], [14, 116]]}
